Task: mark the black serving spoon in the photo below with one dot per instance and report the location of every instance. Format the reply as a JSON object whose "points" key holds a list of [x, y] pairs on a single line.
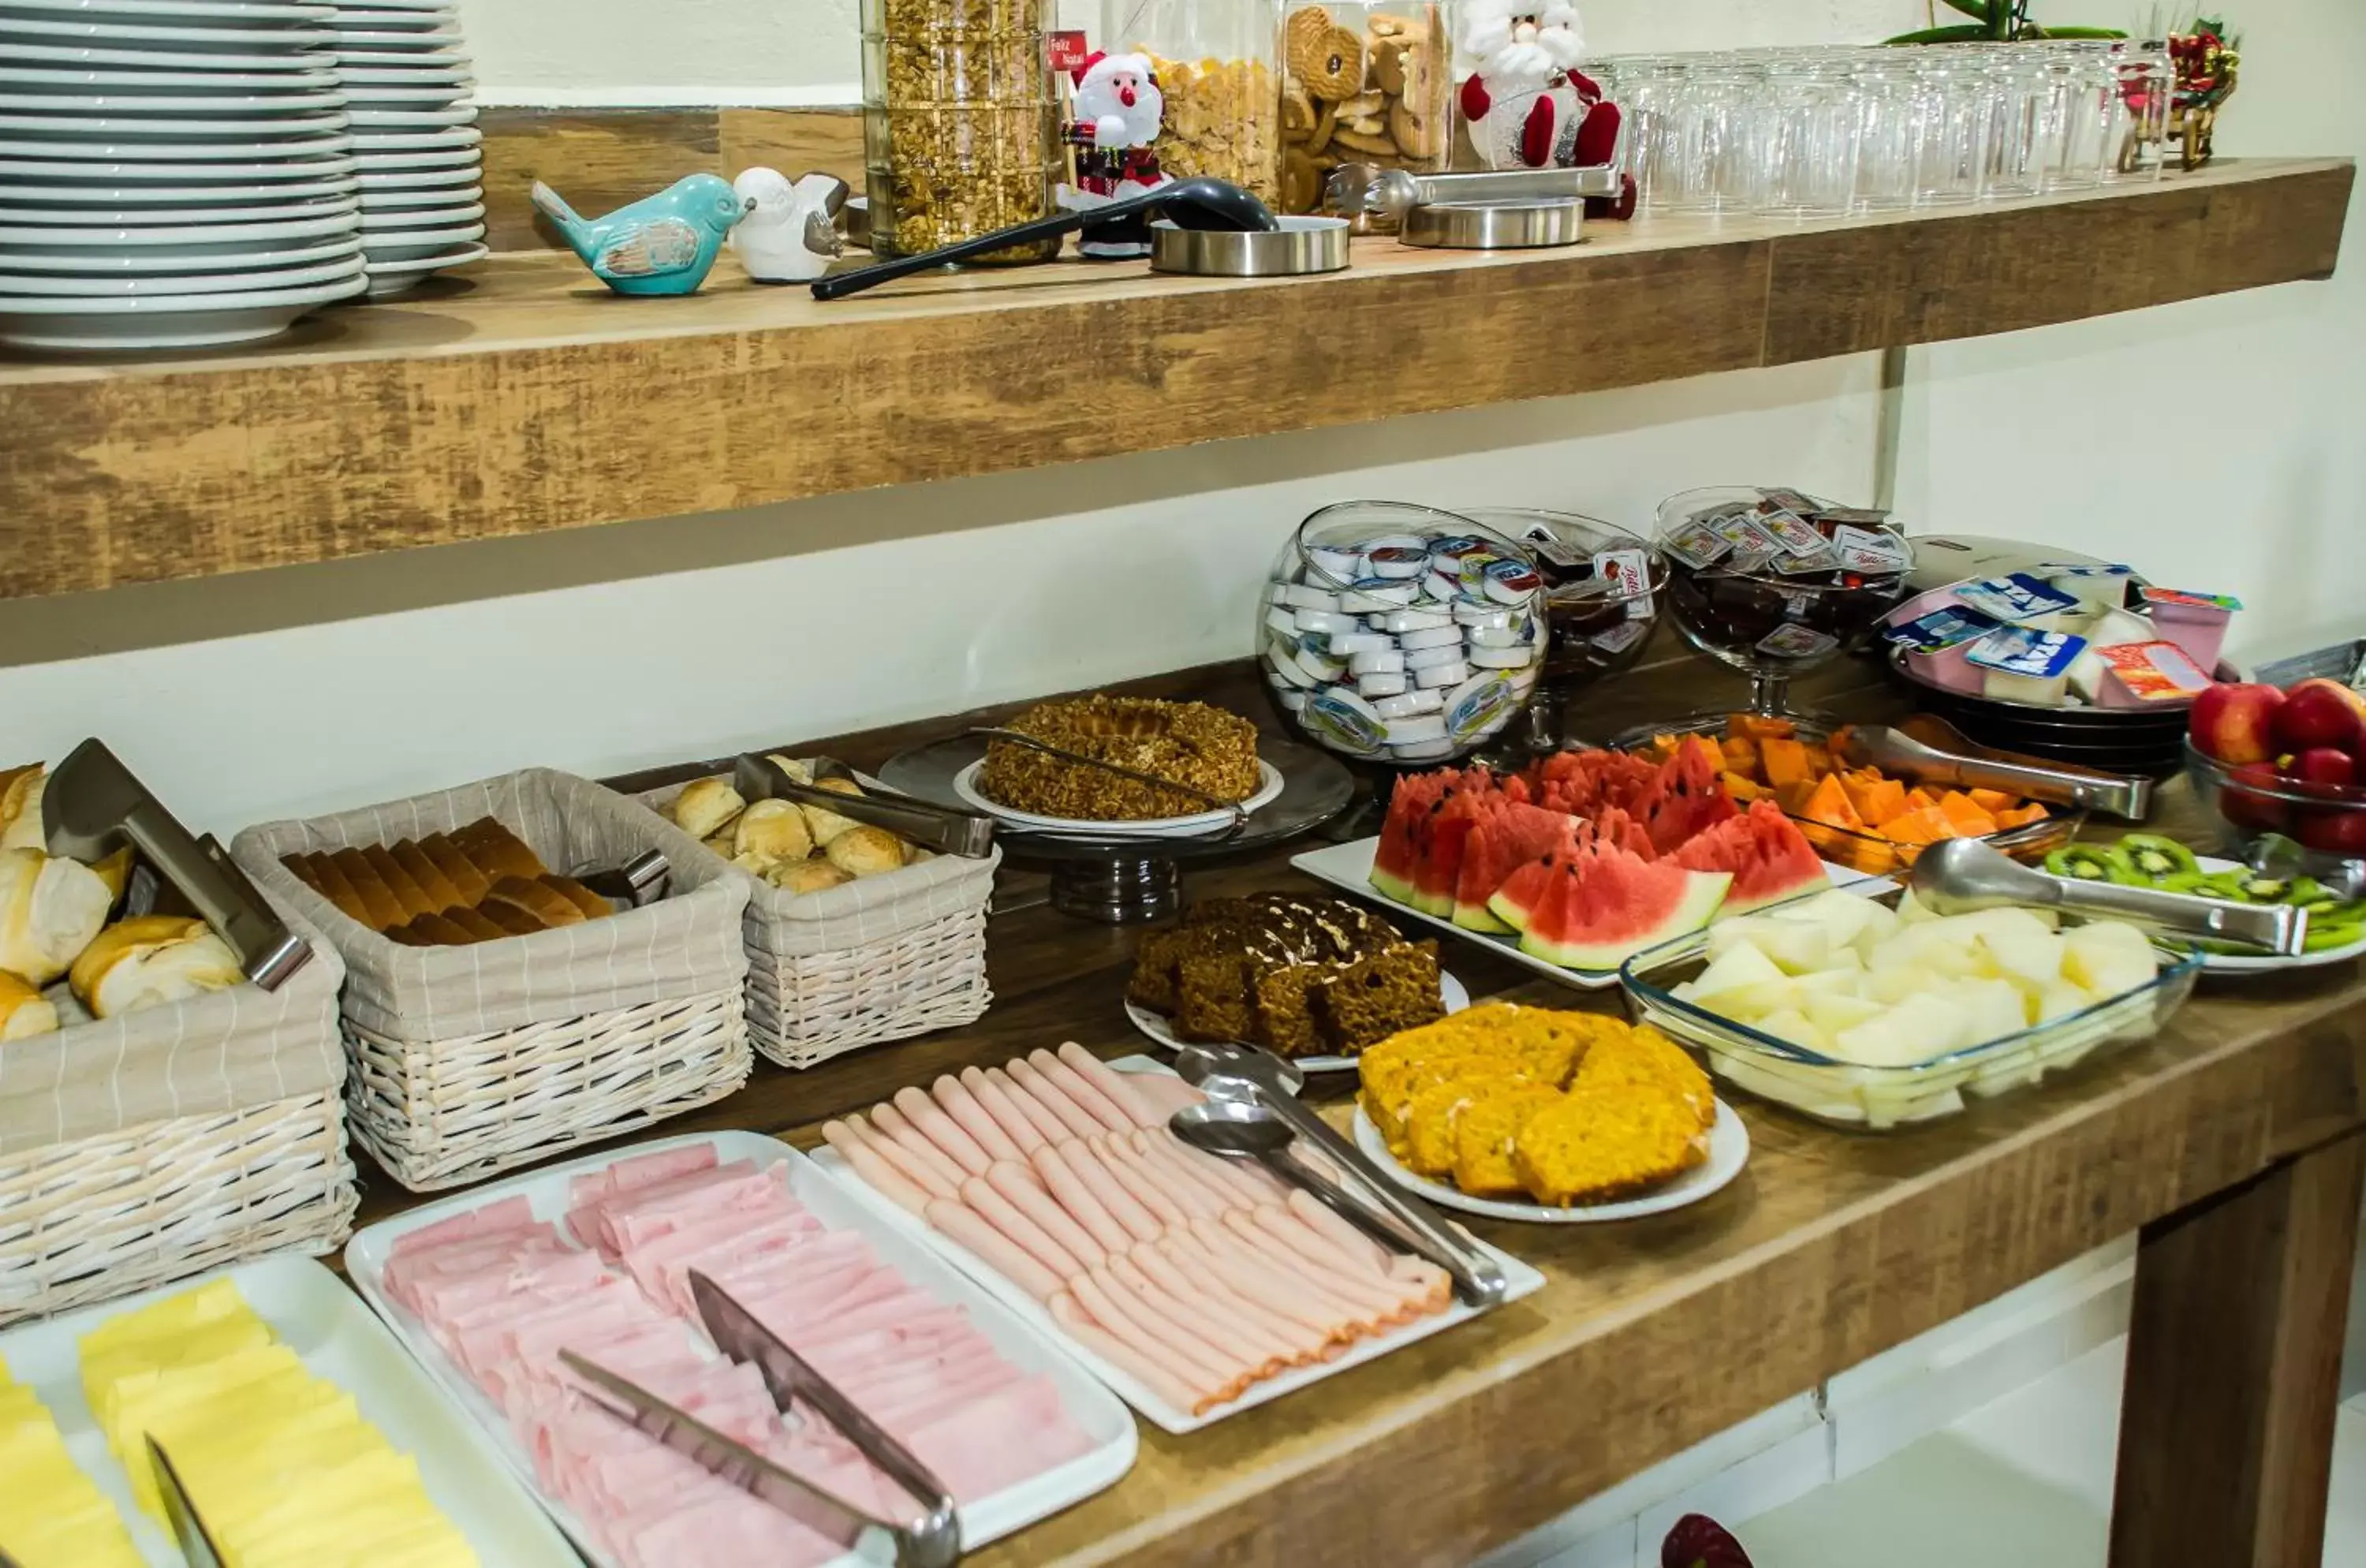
{"points": [[1188, 204]]}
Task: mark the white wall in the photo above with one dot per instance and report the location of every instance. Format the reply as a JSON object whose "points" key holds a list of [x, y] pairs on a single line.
{"points": [[2213, 444]]}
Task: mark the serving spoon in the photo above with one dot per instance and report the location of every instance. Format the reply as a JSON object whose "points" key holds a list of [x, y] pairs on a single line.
{"points": [[1961, 876]]}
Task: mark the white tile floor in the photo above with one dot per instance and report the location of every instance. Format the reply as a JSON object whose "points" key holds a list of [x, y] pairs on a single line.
{"points": [[2025, 1480]]}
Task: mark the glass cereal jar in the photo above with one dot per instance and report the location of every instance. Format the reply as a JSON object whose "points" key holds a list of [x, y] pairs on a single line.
{"points": [[1362, 84], [960, 122], [1219, 68]]}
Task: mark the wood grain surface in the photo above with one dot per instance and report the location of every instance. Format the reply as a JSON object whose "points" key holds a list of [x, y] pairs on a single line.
{"points": [[1653, 1334], [522, 396]]}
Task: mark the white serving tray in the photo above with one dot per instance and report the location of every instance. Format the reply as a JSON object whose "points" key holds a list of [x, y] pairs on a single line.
{"points": [[2236, 963], [1093, 1409], [1729, 1151], [1160, 1029], [339, 1340], [1522, 1279], [1348, 867]]}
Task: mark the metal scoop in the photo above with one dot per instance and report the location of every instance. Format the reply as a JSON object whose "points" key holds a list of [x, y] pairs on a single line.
{"points": [[1188, 204], [1961, 876], [1894, 750]]}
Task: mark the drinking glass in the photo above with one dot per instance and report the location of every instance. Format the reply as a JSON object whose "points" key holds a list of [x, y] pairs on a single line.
{"points": [[1810, 139], [2084, 76], [1889, 127], [2025, 129], [2145, 86], [1953, 108]]}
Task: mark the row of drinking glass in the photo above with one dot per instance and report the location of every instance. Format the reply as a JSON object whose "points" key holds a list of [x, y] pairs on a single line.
{"points": [[1823, 132]]}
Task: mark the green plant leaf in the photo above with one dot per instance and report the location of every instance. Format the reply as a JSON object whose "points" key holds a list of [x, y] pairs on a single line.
{"points": [[2084, 32], [1970, 33], [1977, 9]]}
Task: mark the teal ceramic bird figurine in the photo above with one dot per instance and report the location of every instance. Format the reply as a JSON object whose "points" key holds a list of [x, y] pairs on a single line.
{"points": [[659, 245]]}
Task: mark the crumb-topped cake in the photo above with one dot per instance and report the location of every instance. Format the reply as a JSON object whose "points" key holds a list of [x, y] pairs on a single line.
{"points": [[1302, 976], [1191, 743]]}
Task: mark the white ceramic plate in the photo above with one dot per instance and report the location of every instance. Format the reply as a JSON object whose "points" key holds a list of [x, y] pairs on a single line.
{"points": [[116, 28], [172, 106], [237, 13], [1350, 868], [385, 76], [419, 139], [407, 217], [142, 217], [58, 131], [445, 6], [2231, 964], [1521, 1280], [245, 280], [102, 198], [1100, 1416], [337, 1339], [965, 786], [195, 62], [387, 280], [437, 37], [341, 219], [402, 203], [302, 151], [48, 78], [409, 121], [453, 160], [413, 245], [69, 175], [126, 264], [428, 97], [1161, 1031], [462, 175], [434, 58], [393, 21], [1729, 1151]]}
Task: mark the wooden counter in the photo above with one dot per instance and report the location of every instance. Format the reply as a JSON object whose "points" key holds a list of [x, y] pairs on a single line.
{"points": [[521, 396], [2233, 1140]]}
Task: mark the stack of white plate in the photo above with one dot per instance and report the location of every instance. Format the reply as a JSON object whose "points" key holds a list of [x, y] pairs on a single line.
{"points": [[173, 173], [407, 85]]}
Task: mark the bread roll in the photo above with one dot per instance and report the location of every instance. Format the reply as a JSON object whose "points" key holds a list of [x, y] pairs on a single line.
{"points": [[772, 831], [826, 825], [799, 773], [705, 805], [866, 851], [807, 877], [150, 960], [720, 843], [116, 871], [24, 1011], [51, 908], [20, 809]]}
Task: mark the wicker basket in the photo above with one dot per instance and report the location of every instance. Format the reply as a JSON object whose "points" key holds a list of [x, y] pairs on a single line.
{"points": [[141, 1149], [466, 1061], [882, 959]]}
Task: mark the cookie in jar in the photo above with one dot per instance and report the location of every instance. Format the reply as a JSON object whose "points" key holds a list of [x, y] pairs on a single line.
{"points": [[1362, 84]]}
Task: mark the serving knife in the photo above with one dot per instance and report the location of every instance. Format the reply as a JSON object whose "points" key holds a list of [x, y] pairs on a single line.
{"points": [[190, 1530]]}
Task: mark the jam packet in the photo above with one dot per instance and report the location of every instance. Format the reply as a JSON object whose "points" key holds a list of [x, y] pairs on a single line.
{"points": [[1874, 551], [1795, 641], [1630, 570], [1620, 637], [1697, 545], [2019, 597], [2154, 671], [1794, 533]]}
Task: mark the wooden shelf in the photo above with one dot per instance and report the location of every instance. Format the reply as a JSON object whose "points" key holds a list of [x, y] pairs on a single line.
{"points": [[522, 398]]}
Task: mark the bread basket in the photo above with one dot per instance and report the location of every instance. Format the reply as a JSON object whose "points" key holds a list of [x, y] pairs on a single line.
{"points": [[883, 958], [140, 1149], [469, 1060]]}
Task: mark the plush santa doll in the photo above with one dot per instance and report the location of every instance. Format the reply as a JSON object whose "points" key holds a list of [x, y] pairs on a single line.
{"points": [[1527, 104], [1119, 109]]}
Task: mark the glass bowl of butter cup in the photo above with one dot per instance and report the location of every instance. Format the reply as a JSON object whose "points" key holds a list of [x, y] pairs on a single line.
{"points": [[1401, 635]]}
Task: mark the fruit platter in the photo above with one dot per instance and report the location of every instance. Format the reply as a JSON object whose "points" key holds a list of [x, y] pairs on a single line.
{"points": [[1580, 859], [1874, 1013], [2336, 922]]}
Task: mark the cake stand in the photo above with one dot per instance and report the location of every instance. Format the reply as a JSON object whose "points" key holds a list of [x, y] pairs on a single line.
{"points": [[1124, 880]]}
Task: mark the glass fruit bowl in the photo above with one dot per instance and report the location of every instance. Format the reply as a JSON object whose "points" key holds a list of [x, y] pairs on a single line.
{"points": [[2253, 801], [1775, 582], [1870, 1099], [1603, 589], [1399, 634]]}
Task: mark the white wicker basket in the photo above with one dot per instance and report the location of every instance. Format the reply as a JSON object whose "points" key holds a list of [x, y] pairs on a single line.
{"points": [[466, 1061], [885, 958]]}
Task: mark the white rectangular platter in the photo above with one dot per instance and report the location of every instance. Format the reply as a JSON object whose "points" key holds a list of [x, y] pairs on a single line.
{"points": [[1522, 1279], [1348, 867], [337, 1338], [1091, 1407]]}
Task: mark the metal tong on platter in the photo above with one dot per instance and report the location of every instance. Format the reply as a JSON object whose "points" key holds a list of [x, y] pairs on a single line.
{"points": [[941, 827], [932, 1541], [1960, 876], [1894, 750], [1253, 1112], [1238, 813]]}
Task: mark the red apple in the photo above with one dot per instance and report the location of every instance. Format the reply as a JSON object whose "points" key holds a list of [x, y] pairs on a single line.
{"points": [[2252, 811], [2334, 829], [2236, 723], [2325, 765], [2320, 713]]}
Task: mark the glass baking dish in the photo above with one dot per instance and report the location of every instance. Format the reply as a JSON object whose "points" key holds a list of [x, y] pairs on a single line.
{"points": [[1880, 1100], [1870, 852]]}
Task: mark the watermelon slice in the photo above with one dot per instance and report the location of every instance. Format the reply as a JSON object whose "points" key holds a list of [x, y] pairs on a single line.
{"points": [[1438, 867], [1393, 862], [1604, 906], [1769, 858], [1686, 797], [1525, 889], [1506, 836], [1613, 826]]}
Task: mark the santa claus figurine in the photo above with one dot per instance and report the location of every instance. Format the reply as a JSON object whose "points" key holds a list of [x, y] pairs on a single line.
{"points": [[1118, 108], [1527, 104]]}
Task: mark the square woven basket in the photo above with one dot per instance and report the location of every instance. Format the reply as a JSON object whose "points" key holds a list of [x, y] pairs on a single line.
{"points": [[138, 1150], [880, 959], [472, 1060]]}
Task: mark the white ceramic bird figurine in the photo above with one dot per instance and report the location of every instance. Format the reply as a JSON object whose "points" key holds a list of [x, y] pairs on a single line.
{"points": [[789, 235]]}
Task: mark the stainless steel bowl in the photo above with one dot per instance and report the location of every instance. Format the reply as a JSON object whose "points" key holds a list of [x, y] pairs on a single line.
{"points": [[1300, 247], [1494, 225]]}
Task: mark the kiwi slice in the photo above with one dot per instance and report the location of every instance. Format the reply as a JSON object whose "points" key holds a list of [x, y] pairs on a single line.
{"points": [[2088, 863], [2156, 859], [2194, 881], [2324, 939]]}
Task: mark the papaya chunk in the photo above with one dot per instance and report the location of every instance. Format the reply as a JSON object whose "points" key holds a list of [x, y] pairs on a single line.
{"points": [[1995, 801], [2022, 817], [1830, 803], [1786, 762], [1926, 825]]}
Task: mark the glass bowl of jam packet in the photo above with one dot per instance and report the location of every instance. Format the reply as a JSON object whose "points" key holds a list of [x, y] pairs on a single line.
{"points": [[1775, 582]]}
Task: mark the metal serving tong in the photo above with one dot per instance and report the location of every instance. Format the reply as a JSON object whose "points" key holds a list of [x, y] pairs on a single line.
{"points": [[640, 880], [1369, 190], [1960, 876], [1233, 808], [1254, 1087], [1878, 746], [945, 828], [92, 806], [932, 1541], [190, 1530]]}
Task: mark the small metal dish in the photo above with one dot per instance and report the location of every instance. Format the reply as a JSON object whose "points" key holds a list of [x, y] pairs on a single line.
{"points": [[1494, 225], [1301, 247]]}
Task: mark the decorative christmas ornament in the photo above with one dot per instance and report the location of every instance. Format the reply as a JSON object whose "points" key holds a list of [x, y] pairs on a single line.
{"points": [[1119, 111], [1527, 104]]}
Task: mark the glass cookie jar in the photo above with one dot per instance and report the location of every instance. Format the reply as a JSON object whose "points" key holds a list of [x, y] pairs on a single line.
{"points": [[1362, 84], [961, 123], [1219, 68]]}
